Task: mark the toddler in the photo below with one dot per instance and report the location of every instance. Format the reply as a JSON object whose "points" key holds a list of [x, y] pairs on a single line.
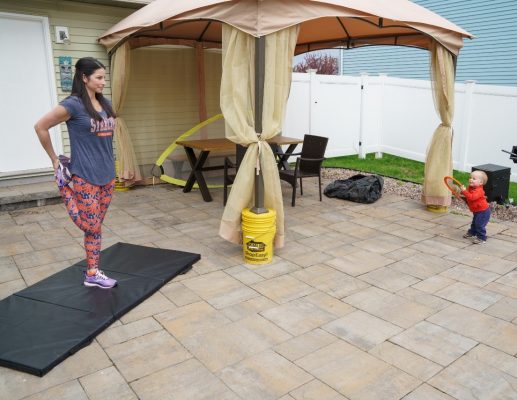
{"points": [[476, 200]]}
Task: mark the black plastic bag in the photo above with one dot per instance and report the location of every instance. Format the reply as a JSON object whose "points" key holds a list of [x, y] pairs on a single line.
{"points": [[359, 188]]}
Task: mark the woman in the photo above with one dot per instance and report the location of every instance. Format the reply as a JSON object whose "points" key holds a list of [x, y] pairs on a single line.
{"points": [[91, 122]]}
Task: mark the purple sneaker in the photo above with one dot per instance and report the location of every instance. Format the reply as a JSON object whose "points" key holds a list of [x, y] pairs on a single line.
{"points": [[99, 280], [63, 176]]}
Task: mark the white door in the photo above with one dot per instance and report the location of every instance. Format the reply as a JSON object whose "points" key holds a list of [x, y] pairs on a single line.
{"points": [[27, 91]]}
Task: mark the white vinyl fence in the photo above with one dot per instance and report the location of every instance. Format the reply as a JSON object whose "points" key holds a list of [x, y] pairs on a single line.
{"points": [[368, 114]]}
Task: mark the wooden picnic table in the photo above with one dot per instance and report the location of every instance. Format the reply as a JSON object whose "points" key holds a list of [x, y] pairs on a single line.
{"points": [[206, 146]]}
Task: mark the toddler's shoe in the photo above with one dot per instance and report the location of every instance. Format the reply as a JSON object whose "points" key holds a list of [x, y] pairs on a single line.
{"points": [[477, 240], [63, 176], [99, 280], [468, 235]]}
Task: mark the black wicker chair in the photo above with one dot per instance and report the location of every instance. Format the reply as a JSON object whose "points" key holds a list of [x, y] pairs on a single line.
{"points": [[308, 165]]}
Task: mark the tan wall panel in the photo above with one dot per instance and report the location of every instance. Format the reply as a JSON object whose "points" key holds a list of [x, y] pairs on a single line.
{"points": [[162, 98], [213, 72]]}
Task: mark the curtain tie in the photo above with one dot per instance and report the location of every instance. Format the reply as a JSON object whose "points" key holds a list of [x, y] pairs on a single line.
{"points": [[260, 143]]}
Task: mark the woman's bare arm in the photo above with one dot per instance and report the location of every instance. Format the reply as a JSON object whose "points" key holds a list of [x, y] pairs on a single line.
{"points": [[54, 117]]}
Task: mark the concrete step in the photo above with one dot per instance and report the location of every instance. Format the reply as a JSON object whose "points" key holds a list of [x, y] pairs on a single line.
{"points": [[28, 195]]}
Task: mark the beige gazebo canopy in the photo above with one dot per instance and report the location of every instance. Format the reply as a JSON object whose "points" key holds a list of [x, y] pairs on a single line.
{"points": [[259, 39], [323, 24]]}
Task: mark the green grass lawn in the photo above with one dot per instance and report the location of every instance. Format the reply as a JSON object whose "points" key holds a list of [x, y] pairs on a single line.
{"points": [[397, 167]]}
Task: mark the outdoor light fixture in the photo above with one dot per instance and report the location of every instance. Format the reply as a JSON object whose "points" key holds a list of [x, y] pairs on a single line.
{"points": [[62, 35]]}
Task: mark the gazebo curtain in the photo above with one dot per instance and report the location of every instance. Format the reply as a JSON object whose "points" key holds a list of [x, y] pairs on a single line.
{"points": [[237, 105], [439, 153], [128, 170]]}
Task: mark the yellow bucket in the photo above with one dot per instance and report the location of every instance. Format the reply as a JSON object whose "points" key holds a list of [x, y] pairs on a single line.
{"points": [[258, 232]]}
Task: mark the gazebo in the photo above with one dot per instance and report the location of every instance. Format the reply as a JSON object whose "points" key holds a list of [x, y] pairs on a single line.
{"points": [[259, 39]]}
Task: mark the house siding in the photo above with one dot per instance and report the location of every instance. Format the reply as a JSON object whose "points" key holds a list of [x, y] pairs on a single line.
{"points": [[490, 58], [162, 100], [85, 22]]}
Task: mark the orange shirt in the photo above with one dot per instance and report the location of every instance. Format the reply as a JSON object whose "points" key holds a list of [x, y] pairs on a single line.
{"points": [[476, 199]]}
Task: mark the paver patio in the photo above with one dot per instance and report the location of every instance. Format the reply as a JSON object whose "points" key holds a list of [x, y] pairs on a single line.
{"points": [[382, 301]]}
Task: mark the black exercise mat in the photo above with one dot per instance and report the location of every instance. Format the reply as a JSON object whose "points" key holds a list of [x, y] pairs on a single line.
{"points": [[128, 260], [45, 323], [65, 289], [37, 336]]}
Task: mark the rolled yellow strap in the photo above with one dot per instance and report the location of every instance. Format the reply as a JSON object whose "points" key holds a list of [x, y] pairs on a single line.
{"points": [[173, 145]]}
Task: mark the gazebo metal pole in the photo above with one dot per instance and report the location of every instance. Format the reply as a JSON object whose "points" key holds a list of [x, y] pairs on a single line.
{"points": [[260, 66]]}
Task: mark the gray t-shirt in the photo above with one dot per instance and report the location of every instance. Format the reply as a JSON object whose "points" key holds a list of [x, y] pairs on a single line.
{"points": [[91, 143]]}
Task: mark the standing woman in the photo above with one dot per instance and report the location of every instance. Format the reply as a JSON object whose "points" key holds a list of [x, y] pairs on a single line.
{"points": [[91, 122]]}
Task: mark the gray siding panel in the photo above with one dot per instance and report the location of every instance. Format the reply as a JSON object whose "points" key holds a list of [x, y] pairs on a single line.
{"points": [[490, 58]]}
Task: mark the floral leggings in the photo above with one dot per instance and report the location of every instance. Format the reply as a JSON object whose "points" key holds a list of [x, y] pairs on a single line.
{"points": [[87, 205]]}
